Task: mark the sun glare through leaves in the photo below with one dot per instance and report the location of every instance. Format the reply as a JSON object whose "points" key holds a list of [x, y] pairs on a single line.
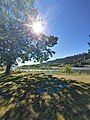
{"points": [[37, 27]]}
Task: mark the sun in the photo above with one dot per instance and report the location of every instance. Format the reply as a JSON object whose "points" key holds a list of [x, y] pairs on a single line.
{"points": [[37, 27]]}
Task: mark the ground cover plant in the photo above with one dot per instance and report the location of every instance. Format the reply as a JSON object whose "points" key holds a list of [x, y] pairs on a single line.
{"points": [[20, 100]]}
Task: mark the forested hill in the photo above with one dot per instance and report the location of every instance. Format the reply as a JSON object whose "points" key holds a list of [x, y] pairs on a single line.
{"points": [[76, 60]]}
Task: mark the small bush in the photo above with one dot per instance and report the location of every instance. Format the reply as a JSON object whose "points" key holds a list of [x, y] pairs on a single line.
{"points": [[66, 69]]}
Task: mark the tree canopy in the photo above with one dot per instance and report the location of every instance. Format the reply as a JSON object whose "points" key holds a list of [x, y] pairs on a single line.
{"points": [[17, 39]]}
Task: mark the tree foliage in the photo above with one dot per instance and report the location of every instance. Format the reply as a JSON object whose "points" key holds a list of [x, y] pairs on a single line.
{"points": [[16, 38], [89, 46]]}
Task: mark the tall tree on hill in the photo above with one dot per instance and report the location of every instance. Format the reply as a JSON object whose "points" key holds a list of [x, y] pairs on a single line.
{"points": [[89, 45], [17, 38]]}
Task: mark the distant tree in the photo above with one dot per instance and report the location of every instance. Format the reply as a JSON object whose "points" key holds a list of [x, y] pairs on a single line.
{"points": [[18, 40], [89, 45]]}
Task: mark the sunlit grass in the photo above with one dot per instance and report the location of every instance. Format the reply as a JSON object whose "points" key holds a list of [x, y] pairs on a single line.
{"points": [[79, 78], [20, 101]]}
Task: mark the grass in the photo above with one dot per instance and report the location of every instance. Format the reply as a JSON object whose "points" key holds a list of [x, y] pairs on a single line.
{"points": [[79, 78], [19, 99]]}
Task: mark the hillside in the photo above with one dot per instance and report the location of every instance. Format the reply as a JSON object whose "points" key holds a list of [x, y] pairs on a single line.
{"points": [[76, 60]]}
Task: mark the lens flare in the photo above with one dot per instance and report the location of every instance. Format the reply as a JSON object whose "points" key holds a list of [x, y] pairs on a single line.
{"points": [[37, 27]]}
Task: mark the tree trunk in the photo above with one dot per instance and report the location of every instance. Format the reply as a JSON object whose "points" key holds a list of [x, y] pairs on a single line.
{"points": [[8, 71]]}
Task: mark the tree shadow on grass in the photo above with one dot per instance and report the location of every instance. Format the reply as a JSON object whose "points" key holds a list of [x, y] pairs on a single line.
{"points": [[37, 97]]}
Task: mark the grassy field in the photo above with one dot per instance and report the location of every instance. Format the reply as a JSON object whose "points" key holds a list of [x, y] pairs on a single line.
{"points": [[25, 96], [79, 78]]}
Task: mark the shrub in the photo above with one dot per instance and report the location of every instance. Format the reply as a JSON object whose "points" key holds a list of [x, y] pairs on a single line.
{"points": [[66, 69]]}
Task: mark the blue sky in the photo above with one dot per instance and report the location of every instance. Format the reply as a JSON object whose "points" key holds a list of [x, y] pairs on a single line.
{"points": [[69, 20]]}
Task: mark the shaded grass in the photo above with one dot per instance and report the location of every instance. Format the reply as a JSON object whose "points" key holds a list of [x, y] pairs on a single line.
{"points": [[20, 101]]}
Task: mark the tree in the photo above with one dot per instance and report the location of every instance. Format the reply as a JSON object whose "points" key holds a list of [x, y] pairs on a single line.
{"points": [[17, 39], [89, 46]]}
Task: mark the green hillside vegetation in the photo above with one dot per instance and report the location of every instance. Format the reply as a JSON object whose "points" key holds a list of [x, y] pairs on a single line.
{"points": [[76, 60]]}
